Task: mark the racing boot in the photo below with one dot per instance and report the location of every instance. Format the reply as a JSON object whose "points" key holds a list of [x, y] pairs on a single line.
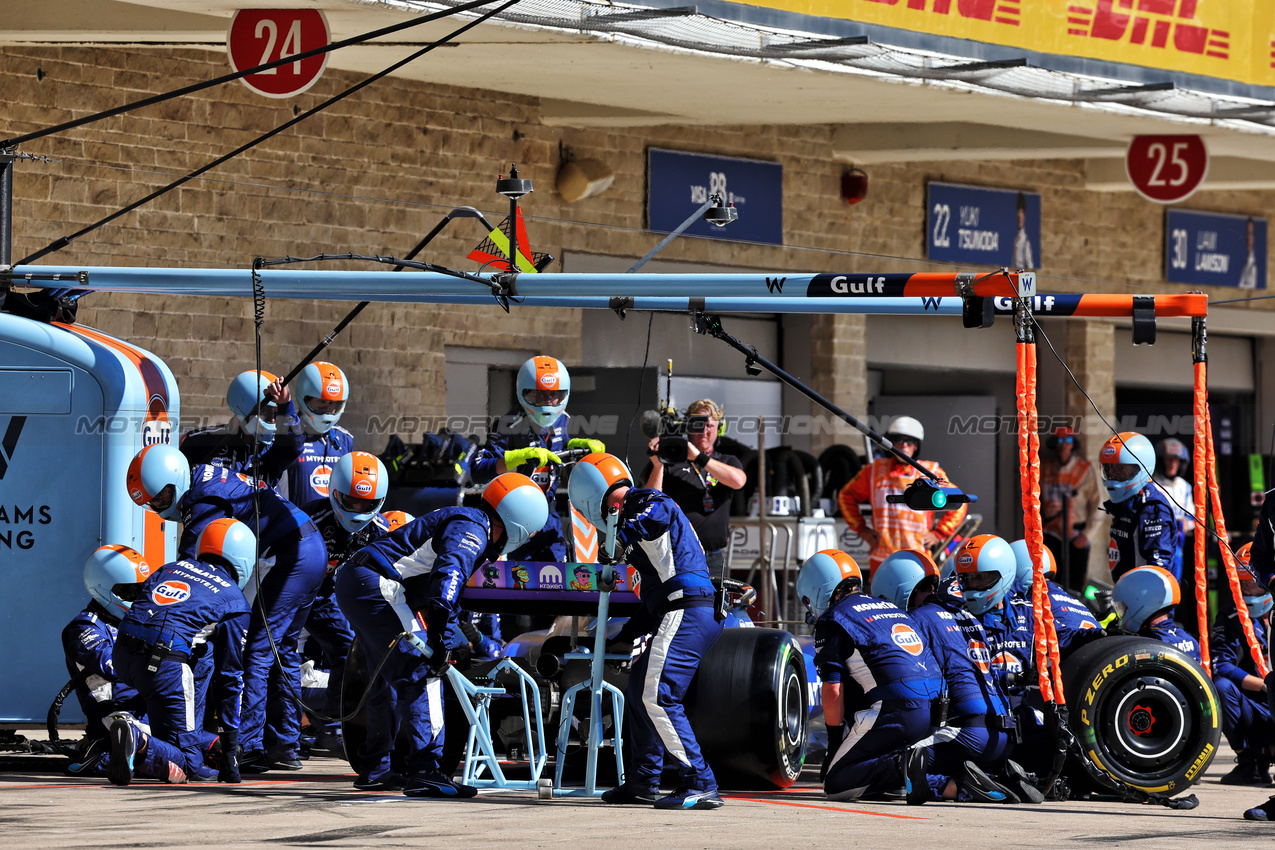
{"points": [[253, 762], [390, 781], [912, 764], [1266, 811], [690, 798], [1022, 783], [974, 785], [1247, 771], [630, 795], [123, 750], [435, 784]]}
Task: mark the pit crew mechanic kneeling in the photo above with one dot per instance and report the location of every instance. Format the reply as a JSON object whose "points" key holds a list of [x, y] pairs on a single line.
{"points": [[1246, 715], [528, 441], [113, 576], [878, 676], [1073, 621], [648, 531], [1145, 599], [292, 565], [185, 604], [978, 733], [409, 579]]}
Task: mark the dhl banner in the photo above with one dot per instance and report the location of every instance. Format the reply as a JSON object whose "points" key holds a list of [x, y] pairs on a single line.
{"points": [[1228, 39]]}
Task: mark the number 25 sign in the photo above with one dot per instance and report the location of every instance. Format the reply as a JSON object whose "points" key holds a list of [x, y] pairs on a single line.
{"points": [[1166, 169], [259, 36]]}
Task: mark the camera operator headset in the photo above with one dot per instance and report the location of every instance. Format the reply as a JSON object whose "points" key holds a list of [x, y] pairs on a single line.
{"points": [[701, 481]]}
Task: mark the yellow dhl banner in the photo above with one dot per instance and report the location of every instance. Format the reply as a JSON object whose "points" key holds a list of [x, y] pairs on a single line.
{"points": [[1229, 39]]}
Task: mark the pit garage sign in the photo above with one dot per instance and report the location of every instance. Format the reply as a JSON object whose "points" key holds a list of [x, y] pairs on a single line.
{"points": [[973, 225], [1212, 249], [680, 182]]}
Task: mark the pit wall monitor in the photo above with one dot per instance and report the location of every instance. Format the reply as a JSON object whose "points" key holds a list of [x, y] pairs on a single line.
{"points": [[1214, 249], [980, 226]]}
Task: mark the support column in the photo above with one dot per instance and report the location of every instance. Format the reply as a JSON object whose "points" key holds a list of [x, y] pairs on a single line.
{"points": [[839, 371], [1090, 351]]}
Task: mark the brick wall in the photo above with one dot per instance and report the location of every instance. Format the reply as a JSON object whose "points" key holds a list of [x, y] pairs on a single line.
{"points": [[380, 169]]}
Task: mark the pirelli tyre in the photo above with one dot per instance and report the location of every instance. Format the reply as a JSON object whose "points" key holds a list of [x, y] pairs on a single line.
{"points": [[749, 707], [1143, 712]]}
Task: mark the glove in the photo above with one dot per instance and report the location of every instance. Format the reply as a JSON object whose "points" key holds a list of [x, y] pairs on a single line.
{"points": [[228, 771], [517, 458], [836, 734], [584, 443], [617, 646], [475, 637]]}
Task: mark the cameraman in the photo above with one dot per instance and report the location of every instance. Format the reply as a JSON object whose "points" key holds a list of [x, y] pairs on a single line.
{"points": [[703, 483]]}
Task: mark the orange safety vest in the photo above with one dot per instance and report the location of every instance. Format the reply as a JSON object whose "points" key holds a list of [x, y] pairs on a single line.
{"points": [[899, 526]]}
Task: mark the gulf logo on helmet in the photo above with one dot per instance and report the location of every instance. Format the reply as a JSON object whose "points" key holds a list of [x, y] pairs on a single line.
{"points": [[907, 639], [170, 593], [965, 559], [547, 372], [363, 487], [1007, 661], [978, 653], [321, 479]]}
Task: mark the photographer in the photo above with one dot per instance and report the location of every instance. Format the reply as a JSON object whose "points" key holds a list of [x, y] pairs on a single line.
{"points": [[702, 482]]}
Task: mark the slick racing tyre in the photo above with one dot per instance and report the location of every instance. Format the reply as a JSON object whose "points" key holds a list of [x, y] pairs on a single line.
{"points": [[748, 707], [1142, 712]]}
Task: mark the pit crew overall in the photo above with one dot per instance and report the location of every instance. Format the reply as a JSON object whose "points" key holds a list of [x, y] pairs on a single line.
{"points": [[184, 605], [1173, 634], [306, 480], [288, 575], [213, 446], [518, 431], [419, 567], [978, 713], [88, 641], [1143, 531], [1246, 717], [655, 538], [1073, 621], [326, 624], [889, 681]]}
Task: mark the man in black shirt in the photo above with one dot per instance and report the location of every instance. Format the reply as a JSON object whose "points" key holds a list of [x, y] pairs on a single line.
{"points": [[703, 484]]}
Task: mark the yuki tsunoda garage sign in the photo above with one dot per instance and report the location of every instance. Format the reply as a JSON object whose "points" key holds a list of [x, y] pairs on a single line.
{"points": [[977, 226]]}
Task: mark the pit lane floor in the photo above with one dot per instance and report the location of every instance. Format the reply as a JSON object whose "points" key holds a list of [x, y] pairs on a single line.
{"points": [[317, 807]]}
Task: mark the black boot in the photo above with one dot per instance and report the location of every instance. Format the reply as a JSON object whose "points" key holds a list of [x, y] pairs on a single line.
{"points": [[1247, 771]]}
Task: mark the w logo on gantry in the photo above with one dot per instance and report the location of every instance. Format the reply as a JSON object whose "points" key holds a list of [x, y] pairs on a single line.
{"points": [[10, 442]]}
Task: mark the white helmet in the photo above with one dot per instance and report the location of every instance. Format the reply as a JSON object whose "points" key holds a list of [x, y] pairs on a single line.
{"points": [[905, 426], [321, 392]]}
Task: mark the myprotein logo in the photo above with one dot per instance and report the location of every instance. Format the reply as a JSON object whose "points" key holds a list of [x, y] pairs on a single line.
{"points": [[10, 442]]}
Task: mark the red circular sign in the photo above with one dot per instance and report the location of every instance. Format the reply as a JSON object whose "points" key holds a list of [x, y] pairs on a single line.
{"points": [[258, 36], [1166, 169]]}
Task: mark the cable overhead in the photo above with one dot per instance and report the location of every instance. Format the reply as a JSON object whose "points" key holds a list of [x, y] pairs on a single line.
{"points": [[191, 89], [61, 243]]}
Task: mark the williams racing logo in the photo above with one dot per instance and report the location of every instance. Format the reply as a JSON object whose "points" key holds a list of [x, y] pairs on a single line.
{"points": [[10, 442], [907, 639], [170, 593]]}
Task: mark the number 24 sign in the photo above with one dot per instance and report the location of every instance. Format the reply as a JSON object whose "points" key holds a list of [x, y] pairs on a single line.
{"points": [[1166, 169]]}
